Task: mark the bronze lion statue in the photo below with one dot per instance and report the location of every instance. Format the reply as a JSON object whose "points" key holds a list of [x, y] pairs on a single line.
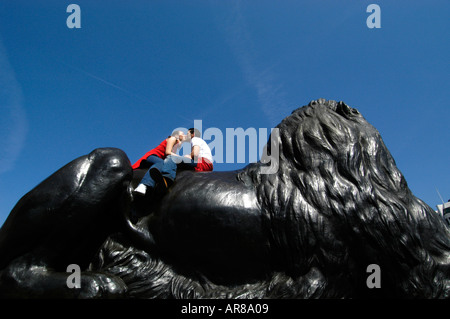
{"points": [[336, 206]]}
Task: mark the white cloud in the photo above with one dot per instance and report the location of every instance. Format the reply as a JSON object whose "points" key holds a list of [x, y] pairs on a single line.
{"points": [[13, 124]]}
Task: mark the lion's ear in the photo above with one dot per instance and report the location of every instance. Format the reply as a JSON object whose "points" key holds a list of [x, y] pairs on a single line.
{"points": [[345, 110]]}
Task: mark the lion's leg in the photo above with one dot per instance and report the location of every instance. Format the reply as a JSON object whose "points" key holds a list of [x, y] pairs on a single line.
{"points": [[26, 277]]}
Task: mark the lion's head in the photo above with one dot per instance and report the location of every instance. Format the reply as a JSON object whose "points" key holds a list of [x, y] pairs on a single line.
{"points": [[336, 205]]}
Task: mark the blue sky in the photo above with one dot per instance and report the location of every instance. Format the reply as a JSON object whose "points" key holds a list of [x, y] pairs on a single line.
{"points": [[137, 69]]}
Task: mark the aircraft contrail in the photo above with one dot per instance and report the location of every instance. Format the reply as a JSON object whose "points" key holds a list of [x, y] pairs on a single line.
{"points": [[143, 99], [14, 127]]}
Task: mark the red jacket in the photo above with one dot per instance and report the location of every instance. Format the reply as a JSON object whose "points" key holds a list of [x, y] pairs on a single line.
{"points": [[159, 151]]}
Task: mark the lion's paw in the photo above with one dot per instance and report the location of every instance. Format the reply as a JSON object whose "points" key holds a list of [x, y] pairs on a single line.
{"points": [[97, 285]]}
